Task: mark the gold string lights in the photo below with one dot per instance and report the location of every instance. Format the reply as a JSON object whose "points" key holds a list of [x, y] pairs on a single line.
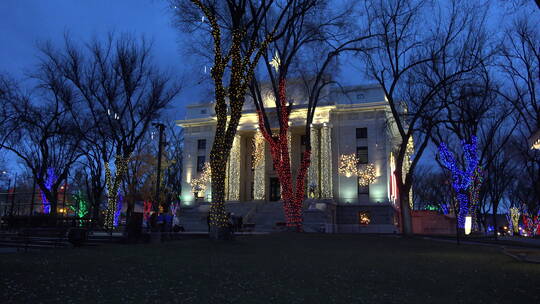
{"points": [[349, 166]]}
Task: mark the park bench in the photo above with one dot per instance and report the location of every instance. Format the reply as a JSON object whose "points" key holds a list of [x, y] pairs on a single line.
{"points": [[248, 227], [40, 238]]}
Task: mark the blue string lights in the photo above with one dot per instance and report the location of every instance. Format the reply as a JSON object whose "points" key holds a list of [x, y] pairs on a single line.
{"points": [[118, 211], [466, 182], [51, 178]]}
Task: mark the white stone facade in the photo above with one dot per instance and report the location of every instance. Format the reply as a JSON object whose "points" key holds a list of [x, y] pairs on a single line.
{"points": [[333, 133]]}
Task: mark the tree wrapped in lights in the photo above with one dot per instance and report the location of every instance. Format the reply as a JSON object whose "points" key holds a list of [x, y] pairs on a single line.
{"points": [[466, 182], [51, 179], [301, 49], [118, 211], [242, 21], [531, 221], [81, 205], [113, 184], [512, 217], [279, 149], [147, 210]]}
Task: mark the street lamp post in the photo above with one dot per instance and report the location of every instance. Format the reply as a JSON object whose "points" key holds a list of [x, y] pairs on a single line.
{"points": [[161, 128]]}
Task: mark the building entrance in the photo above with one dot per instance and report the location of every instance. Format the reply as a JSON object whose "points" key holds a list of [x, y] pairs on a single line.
{"points": [[275, 194]]}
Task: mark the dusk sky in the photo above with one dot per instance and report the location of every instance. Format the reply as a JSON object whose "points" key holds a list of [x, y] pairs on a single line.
{"points": [[25, 23]]}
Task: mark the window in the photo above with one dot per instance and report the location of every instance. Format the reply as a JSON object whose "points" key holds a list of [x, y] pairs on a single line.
{"points": [[200, 163], [363, 158], [201, 144], [362, 155], [303, 140], [360, 96], [361, 133]]}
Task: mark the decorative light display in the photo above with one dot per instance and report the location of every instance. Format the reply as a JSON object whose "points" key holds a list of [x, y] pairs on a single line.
{"points": [[326, 161], [259, 175], [257, 150], [431, 208], [51, 178], [363, 218], [392, 184], [468, 225], [81, 205], [367, 175], [531, 221], [242, 67], [445, 208], [409, 150], [313, 171], [118, 211], [199, 184], [466, 182], [147, 210], [280, 151], [113, 185], [275, 62], [513, 219], [348, 165], [234, 170]]}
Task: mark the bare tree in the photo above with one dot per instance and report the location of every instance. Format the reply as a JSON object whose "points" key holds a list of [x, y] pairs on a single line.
{"points": [[122, 91], [415, 66], [43, 134], [521, 71]]}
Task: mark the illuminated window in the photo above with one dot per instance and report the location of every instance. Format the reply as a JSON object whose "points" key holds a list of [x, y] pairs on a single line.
{"points": [[364, 218]]}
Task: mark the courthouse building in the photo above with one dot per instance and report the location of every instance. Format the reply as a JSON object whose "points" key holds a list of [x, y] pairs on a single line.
{"points": [[348, 120]]}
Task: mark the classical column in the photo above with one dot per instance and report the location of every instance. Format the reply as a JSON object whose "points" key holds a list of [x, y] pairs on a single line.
{"points": [[314, 186], [234, 170], [259, 176], [326, 161]]}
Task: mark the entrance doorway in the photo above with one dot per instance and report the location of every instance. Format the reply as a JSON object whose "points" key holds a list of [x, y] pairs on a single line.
{"points": [[274, 189]]}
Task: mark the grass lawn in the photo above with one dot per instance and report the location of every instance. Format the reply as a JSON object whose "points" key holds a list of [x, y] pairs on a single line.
{"points": [[280, 268]]}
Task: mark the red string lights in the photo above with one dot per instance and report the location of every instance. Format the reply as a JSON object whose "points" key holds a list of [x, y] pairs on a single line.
{"points": [[279, 149]]}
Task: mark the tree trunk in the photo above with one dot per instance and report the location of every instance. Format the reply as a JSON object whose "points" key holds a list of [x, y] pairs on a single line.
{"points": [[219, 221], [406, 220], [495, 228]]}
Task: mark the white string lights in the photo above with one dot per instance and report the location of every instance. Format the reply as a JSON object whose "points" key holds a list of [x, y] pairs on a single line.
{"points": [[326, 161], [234, 170], [200, 184], [258, 166]]}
